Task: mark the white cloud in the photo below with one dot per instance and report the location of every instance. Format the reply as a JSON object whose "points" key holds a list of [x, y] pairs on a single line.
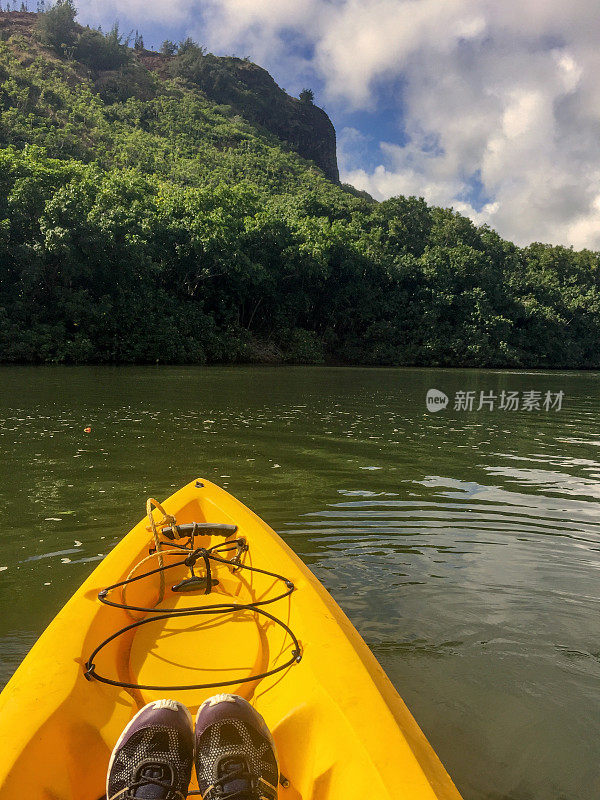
{"points": [[517, 105], [505, 93], [257, 28]]}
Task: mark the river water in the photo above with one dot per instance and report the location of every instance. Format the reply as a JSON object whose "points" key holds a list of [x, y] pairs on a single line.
{"points": [[464, 545]]}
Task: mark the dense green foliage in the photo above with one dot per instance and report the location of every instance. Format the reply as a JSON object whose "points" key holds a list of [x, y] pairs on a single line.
{"points": [[140, 223], [57, 28], [100, 52]]}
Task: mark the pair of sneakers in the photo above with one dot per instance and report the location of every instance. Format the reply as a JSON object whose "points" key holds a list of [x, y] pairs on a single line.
{"points": [[230, 745]]}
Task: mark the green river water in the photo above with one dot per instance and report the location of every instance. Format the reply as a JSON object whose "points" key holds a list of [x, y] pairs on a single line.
{"points": [[464, 546]]}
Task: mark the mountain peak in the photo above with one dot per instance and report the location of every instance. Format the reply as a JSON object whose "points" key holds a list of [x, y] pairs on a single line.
{"points": [[246, 88]]}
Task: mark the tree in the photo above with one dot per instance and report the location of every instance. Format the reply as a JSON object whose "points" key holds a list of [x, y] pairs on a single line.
{"points": [[168, 48], [56, 27], [102, 52], [307, 96], [189, 46], [190, 62], [138, 42]]}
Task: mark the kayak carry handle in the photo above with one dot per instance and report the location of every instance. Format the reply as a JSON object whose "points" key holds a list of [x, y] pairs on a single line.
{"points": [[208, 528], [193, 584]]}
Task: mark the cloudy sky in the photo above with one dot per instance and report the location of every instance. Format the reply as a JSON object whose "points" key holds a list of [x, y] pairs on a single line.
{"points": [[489, 106]]}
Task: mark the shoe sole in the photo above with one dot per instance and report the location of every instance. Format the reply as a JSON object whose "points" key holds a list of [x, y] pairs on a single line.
{"points": [[126, 731]]}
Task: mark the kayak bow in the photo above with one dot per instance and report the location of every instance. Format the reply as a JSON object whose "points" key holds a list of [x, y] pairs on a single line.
{"points": [[208, 596]]}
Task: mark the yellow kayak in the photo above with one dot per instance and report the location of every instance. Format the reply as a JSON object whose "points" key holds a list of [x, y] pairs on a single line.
{"points": [[202, 594]]}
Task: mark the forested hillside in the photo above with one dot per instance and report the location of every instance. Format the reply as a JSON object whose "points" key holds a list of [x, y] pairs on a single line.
{"points": [[152, 211]]}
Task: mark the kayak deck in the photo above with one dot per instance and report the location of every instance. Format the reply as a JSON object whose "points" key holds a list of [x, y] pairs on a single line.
{"points": [[340, 727]]}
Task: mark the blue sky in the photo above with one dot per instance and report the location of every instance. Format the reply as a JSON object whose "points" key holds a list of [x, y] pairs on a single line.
{"points": [[490, 107]]}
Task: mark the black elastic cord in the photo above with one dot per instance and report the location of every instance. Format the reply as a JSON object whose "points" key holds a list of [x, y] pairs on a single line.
{"points": [[295, 655], [158, 614], [190, 561], [206, 557]]}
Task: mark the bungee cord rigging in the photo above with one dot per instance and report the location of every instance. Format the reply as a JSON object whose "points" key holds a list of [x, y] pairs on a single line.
{"points": [[189, 555]]}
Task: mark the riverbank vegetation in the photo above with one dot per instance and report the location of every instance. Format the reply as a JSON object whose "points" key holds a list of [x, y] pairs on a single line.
{"points": [[142, 222]]}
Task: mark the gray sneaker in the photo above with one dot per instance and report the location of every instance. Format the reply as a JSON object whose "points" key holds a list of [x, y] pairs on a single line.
{"points": [[235, 752], [154, 755]]}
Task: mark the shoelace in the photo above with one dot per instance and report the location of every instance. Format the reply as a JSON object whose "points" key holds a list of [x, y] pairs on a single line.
{"points": [[128, 793], [240, 773]]}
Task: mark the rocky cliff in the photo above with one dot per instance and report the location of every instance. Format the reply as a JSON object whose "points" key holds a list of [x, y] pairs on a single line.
{"points": [[251, 92], [304, 126]]}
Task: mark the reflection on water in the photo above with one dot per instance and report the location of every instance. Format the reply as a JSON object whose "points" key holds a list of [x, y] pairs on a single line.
{"points": [[464, 546]]}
